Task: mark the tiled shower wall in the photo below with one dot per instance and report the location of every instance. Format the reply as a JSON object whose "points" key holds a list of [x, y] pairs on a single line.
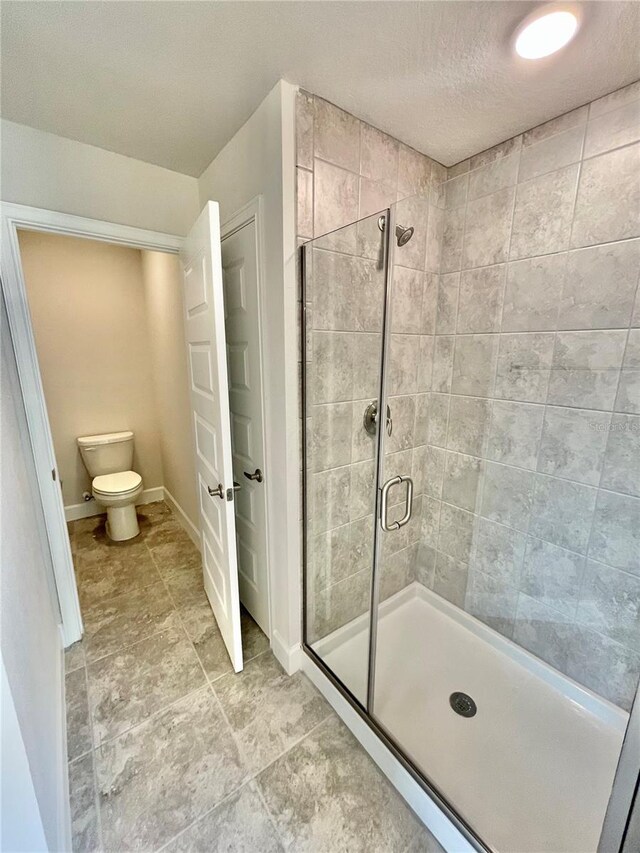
{"points": [[515, 382], [348, 170], [533, 461]]}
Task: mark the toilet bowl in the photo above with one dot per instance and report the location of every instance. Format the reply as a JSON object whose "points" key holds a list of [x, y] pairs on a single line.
{"points": [[108, 459]]}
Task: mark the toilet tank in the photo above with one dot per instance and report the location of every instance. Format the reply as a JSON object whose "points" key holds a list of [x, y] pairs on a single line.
{"points": [[109, 453]]}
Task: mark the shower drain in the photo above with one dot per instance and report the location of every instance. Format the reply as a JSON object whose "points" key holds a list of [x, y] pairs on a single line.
{"points": [[463, 704]]}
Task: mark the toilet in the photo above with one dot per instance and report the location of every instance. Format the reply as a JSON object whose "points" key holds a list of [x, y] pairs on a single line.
{"points": [[108, 460]]}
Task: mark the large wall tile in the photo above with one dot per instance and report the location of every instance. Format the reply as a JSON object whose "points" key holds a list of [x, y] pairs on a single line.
{"points": [[455, 191], [375, 196], [336, 136], [507, 495], [455, 537], [487, 229], [524, 363], [628, 397], [429, 304], [406, 308], [474, 365], [532, 291], [585, 368], [600, 287], [610, 604], [332, 366], [497, 152], [452, 236], [516, 429], [542, 216], [461, 483], [480, 299], [552, 575], [414, 172], [428, 470], [556, 125], [331, 435], [304, 129], [447, 304], [561, 512], [573, 444], [491, 601], [494, 176], [378, 155], [442, 363], [608, 203], [403, 411], [622, 460], [450, 579], [615, 538], [615, 99], [304, 189], [404, 358], [432, 415], [335, 202], [551, 154], [468, 430], [329, 494], [614, 129], [499, 551]]}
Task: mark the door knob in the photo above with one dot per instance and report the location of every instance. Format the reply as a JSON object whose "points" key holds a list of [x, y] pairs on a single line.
{"points": [[257, 475], [219, 492]]}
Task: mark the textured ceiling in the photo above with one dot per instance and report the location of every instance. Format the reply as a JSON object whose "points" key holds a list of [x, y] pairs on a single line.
{"points": [[170, 83]]}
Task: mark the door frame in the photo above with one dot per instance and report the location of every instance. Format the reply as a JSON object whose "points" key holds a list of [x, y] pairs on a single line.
{"points": [[14, 217], [253, 211]]}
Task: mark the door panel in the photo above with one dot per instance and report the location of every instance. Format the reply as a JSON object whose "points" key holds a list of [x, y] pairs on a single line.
{"points": [[205, 337], [242, 322]]}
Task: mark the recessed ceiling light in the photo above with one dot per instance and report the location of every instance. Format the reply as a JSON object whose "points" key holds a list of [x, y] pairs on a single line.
{"points": [[546, 31]]}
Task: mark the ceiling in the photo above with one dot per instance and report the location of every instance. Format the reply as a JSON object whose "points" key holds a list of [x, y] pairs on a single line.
{"points": [[170, 83]]}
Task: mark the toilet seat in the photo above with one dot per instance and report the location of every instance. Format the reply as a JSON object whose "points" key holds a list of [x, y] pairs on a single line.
{"points": [[117, 484]]}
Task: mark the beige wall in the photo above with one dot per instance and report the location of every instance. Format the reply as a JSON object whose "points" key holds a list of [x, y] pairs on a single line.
{"points": [[88, 309], [162, 277]]}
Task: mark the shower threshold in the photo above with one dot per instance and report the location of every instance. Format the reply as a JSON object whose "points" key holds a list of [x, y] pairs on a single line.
{"points": [[531, 771]]}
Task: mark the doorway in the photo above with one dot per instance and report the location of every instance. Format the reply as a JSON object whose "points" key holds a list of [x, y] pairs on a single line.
{"points": [[50, 223]]}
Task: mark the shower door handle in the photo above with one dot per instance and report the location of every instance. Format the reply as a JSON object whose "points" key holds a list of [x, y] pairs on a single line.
{"points": [[384, 504]]}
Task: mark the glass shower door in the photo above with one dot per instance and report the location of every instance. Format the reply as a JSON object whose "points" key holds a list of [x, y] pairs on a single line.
{"points": [[343, 298]]}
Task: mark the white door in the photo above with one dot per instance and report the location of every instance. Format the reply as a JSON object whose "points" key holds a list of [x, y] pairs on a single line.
{"points": [[205, 337], [242, 315]]}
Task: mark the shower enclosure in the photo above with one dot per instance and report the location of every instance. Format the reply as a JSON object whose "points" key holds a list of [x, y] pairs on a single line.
{"points": [[470, 563]]}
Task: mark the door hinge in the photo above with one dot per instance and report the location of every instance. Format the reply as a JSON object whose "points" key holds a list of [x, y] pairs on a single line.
{"points": [[53, 474]]}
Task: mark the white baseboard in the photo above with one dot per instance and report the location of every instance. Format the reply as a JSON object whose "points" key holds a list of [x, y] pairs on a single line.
{"points": [[183, 518], [427, 809], [290, 657], [88, 508]]}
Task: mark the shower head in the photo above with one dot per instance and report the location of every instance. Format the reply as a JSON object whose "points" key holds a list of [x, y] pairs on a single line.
{"points": [[403, 235]]}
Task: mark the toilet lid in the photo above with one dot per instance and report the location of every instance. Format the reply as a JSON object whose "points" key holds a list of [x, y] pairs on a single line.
{"points": [[111, 484]]}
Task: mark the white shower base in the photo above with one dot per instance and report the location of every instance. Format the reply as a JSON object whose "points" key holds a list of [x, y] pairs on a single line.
{"points": [[531, 772]]}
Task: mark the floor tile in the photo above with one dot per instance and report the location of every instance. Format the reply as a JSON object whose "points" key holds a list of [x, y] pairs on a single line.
{"points": [[202, 629], [74, 657], [127, 687], [269, 710], [424, 842], [254, 641], [78, 725], [84, 812], [240, 824], [114, 574], [176, 553], [186, 585], [111, 625], [158, 778], [326, 795]]}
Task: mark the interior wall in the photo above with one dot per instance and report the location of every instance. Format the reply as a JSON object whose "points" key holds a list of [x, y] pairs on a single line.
{"points": [[259, 161], [31, 639], [48, 171], [87, 303], [533, 431], [348, 170], [163, 287]]}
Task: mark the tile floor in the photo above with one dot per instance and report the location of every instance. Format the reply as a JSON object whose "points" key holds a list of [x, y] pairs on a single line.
{"points": [[170, 750]]}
